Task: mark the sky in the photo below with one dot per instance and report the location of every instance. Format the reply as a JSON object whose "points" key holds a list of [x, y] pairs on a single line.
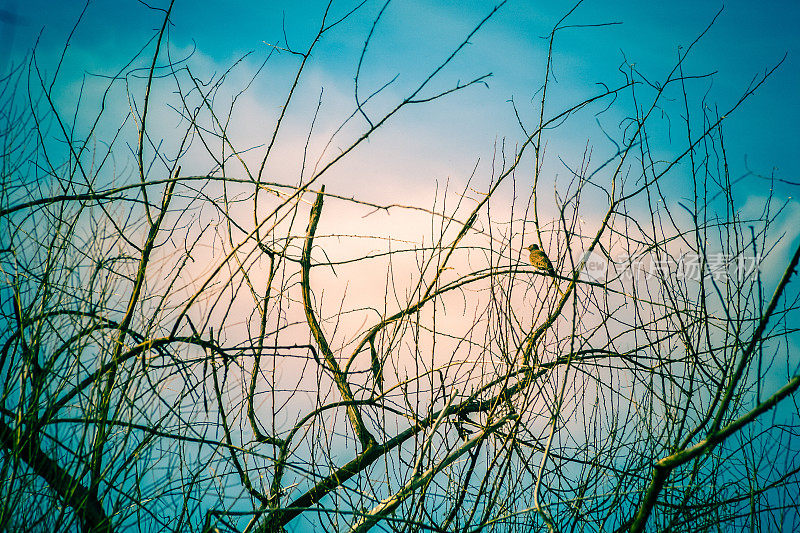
{"points": [[428, 147], [414, 36]]}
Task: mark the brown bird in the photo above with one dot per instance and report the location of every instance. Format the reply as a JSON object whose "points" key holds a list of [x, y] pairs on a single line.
{"points": [[540, 260]]}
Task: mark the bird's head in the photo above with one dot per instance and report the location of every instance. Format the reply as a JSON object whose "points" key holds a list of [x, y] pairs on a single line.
{"points": [[533, 247]]}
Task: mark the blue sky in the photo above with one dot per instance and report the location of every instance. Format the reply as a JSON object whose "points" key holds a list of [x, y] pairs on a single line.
{"points": [[414, 35], [423, 147]]}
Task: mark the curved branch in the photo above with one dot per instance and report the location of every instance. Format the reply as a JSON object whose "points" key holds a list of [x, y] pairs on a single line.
{"points": [[363, 434]]}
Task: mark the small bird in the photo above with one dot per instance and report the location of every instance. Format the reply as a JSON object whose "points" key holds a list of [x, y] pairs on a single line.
{"points": [[540, 260]]}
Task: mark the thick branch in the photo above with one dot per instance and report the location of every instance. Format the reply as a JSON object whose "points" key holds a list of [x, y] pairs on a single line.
{"points": [[91, 514], [662, 469], [388, 505], [364, 436]]}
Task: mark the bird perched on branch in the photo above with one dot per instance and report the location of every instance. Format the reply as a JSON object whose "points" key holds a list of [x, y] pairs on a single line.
{"points": [[540, 260]]}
